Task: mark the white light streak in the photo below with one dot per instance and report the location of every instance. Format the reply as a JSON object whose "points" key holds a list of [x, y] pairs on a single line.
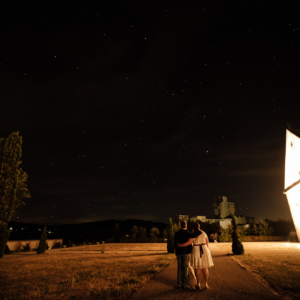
{"points": [[292, 175]]}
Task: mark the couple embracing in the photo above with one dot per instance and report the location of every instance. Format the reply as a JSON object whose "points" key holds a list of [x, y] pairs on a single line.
{"points": [[192, 258]]}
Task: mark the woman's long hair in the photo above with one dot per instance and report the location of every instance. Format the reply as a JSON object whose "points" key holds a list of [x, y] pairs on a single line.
{"points": [[196, 227]]}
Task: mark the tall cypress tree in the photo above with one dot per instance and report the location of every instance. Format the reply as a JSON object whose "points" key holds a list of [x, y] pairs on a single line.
{"points": [[237, 246], [13, 186], [43, 242], [170, 243]]}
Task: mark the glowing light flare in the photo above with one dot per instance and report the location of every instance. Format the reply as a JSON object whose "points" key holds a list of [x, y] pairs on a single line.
{"points": [[292, 175]]}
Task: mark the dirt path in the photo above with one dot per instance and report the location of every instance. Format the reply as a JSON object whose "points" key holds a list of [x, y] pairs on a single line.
{"points": [[228, 280]]}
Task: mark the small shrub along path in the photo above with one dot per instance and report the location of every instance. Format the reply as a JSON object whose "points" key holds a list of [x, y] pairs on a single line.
{"points": [[228, 280]]}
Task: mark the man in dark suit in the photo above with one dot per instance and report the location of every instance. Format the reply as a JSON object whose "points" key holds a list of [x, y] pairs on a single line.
{"points": [[182, 254]]}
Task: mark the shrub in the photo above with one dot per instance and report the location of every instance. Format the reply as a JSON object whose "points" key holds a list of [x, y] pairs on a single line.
{"points": [[154, 233], [213, 237], [27, 247], [4, 234], [18, 247], [43, 242], [237, 246], [170, 243], [176, 227], [134, 232], [69, 243], [110, 240], [164, 234], [225, 234], [262, 228], [57, 245], [94, 242], [281, 227]]}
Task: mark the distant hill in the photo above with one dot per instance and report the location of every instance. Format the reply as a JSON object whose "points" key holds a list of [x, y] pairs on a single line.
{"points": [[100, 230]]}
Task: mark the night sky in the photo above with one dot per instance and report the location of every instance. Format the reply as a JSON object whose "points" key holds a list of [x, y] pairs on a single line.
{"points": [[145, 110]]}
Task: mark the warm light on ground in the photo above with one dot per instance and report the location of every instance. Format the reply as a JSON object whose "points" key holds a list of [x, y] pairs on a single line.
{"points": [[276, 263], [293, 245]]}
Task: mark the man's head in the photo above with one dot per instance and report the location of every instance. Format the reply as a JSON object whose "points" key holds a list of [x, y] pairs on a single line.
{"points": [[183, 225]]}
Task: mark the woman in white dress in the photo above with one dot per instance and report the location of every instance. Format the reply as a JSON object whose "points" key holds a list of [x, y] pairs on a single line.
{"points": [[200, 257]]}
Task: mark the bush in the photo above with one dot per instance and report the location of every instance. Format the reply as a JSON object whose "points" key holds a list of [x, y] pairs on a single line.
{"points": [[154, 233], [170, 243], [225, 234], [213, 237], [57, 245], [261, 228], [281, 227], [43, 242], [94, 242], [176, 227], [4, 234], [237, 246], [69, 243], [26, 248]]}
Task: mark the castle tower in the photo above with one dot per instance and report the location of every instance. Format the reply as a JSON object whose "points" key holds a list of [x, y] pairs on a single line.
{"points": [[223, 208]]}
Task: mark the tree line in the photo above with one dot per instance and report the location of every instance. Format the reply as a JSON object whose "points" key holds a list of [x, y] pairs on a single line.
{"points": [[263, 228], [137, 235]]}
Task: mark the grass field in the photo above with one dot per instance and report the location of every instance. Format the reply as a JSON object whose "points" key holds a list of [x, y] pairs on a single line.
{"points": [[95, 272], [278, 264]]}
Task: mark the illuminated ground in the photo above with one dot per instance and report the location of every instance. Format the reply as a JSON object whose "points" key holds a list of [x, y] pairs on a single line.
{"points": [[228, 280], [265, 268], [267, 247], [87, 272]]}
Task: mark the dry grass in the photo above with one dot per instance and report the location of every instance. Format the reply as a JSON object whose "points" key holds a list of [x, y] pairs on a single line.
{"points": [[278, 264], [81, 272], [281, 272]]}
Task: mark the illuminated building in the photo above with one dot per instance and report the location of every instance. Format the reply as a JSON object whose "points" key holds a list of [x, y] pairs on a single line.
{"points": [[180, 218], [223, 208]]}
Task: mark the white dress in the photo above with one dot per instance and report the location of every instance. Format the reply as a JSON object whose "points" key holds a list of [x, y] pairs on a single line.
{"points": [[206, 260]]}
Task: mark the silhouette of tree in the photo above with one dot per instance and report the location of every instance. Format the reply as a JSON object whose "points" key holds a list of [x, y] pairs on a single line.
{"points": [[13, 188]]}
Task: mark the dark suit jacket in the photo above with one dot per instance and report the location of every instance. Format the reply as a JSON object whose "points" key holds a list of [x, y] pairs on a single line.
{"points": [[181, 237]]}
